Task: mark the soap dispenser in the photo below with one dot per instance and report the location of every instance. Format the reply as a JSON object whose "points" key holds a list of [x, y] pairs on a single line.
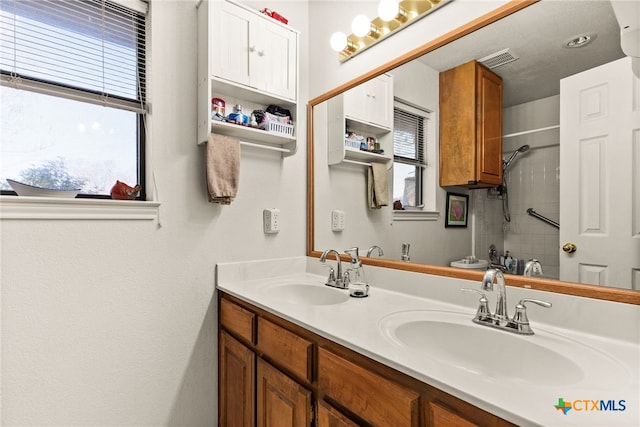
{"points": [[358, 286]]}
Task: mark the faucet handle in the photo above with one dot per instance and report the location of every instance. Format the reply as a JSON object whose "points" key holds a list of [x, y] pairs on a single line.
{"points": [[483, 313], [520, 321], [331, 280]]}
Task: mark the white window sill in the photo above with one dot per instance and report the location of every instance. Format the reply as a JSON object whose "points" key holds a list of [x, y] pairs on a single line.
{"points": [[16, 207], [415, 215]]}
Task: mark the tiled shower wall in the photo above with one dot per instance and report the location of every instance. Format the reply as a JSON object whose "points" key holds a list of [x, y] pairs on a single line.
{"points": [[533, 181]]}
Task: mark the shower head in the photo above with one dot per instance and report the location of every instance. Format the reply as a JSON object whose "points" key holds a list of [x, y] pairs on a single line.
{"points": [[505, 164]]}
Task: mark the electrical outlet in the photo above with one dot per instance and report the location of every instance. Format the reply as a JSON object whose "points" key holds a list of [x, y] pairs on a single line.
{"points": [[337, 220], [271, 220]]}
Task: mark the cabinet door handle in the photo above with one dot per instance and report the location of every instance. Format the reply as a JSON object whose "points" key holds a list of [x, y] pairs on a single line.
{"points": [[252, 48], [261, 53]]}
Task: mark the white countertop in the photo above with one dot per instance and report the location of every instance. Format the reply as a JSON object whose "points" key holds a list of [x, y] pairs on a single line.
{"points": [[358, 324]]}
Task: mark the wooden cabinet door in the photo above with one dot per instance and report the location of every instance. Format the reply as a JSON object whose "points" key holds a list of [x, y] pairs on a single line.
{"points": [[281, 402], [489, 127], [328, 416], [470, 127], [236, 386]]}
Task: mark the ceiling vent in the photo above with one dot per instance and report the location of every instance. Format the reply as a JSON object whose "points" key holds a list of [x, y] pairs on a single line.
{"points": [[498, 58]]}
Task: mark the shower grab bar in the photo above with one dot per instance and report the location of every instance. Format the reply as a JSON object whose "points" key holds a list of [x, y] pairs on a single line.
{"points": [[535, 214]]}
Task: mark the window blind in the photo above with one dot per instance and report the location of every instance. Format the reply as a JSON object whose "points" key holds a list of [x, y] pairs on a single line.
{"points": [[409, 136], [91, 50]]}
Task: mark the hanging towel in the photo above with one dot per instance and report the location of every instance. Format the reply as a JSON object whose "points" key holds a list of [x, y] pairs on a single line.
{"points": [[223, 168], [377, 188]]}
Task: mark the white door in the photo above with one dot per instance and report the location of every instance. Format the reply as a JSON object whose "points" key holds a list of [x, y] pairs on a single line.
{"points": [[600, 176], [232, 46], [275, 60]]}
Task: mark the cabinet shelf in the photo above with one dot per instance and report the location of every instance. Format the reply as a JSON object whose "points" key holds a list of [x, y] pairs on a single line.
{"points": [[234, 90], [249, 133], [364, 156]]}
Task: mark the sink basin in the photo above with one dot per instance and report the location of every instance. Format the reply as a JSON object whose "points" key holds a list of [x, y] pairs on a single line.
{"points": [[297, 293], [544, 359]]}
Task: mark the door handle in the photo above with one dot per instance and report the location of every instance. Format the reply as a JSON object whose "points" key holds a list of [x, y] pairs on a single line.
{"points": [[569, 248]]}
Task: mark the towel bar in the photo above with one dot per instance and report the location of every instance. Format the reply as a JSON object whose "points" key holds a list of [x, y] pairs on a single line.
{"points": [[265, 147], [355, 162]]}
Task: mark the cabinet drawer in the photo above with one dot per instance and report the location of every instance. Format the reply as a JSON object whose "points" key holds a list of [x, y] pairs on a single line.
{"points": [[237, 320], [285, 348], [371, 397], [442, 417]]}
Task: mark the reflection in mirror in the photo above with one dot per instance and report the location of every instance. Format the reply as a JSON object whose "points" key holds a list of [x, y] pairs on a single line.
{"points": [[531, 151]]}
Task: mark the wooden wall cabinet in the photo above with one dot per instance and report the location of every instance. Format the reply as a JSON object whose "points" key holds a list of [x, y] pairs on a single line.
{"points": [[470, 127], [275, 373]]}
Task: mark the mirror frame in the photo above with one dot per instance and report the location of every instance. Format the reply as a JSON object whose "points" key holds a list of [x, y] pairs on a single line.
{"points": [[568, 288]]}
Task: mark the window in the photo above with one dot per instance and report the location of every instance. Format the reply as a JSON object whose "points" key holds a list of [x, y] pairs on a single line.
{"points": [[410, 130], [73, 90]]}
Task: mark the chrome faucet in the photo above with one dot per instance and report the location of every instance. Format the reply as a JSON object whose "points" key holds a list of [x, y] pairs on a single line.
{"points": [[519, 324], [487, 285], [333, 280], [370, 251], [405, 252], [533, 268], [498, 266]]}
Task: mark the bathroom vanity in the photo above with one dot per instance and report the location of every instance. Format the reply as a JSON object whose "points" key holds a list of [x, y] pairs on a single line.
{"points": [[293, 351], [300, 376]]}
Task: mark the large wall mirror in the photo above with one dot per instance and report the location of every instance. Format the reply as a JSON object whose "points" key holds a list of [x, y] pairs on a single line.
{"points": [[534, 32]]}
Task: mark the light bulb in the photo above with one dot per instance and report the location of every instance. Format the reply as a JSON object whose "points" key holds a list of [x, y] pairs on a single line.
{"points": [[361, 25], [338, 41], [387, 9]]}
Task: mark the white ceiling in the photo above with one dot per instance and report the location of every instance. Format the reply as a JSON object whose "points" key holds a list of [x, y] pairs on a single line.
{"points": [[536, 35]]}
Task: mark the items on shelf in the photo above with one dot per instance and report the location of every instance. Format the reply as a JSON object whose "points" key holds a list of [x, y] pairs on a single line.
{"points": [[238, 116], [362, 143], [512, 265], [275, 15], [275, 119], [217, 107]]}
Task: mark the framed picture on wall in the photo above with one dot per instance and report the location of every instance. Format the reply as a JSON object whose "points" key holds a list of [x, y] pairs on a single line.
{"points": [[457, 210]]}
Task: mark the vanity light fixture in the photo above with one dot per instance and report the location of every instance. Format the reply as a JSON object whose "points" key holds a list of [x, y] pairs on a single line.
{"points": [[388, 9], [394, 15], [579, 41]]}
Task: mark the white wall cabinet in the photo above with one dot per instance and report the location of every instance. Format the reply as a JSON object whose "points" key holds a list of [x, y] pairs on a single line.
{"points": [[371, 102], [246, 58], [366, 110], [253, 50]]}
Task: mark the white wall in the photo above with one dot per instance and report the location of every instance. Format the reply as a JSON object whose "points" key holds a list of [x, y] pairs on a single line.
{"points": [[114, 322], [344, 187]]}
